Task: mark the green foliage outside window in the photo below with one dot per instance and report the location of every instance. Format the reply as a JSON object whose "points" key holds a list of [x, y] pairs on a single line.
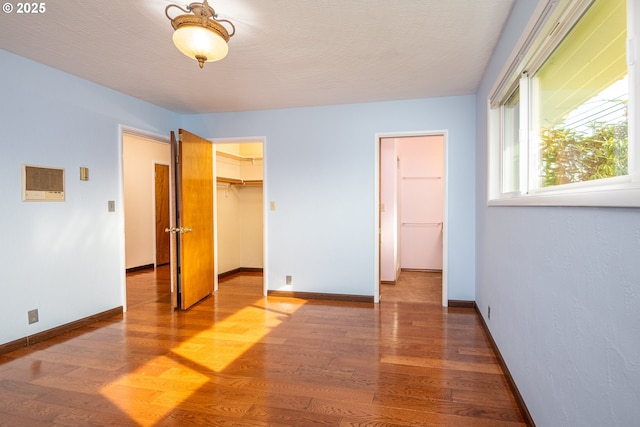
{"points": [[568, 155]]}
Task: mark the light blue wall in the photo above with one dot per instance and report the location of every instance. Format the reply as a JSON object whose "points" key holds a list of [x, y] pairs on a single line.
{"points": [[564, 289], [65, 259], [320, 170]]}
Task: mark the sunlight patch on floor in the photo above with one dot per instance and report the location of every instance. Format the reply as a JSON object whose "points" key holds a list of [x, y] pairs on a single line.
{"points": [[218, 347], [154, 390], [135, 392]]}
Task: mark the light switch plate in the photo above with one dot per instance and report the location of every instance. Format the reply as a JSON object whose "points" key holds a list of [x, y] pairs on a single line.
{"points": [[84, 173]]}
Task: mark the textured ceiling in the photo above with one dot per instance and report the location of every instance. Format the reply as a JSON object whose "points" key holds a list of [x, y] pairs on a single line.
{"points": [[286, 53]]}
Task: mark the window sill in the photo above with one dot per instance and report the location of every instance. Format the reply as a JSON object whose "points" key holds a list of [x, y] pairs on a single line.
{"points": [[618, 195]]}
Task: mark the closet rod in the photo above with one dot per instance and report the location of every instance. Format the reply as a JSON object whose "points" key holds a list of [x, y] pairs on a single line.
{"points": [[235, 181]]}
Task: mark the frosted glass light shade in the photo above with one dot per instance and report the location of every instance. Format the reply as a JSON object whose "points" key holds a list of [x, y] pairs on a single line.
{"points": [[200, 43], [200, 35]]}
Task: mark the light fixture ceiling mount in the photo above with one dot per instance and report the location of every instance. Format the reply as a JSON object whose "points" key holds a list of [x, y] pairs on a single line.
{"points": [[199, 34]]}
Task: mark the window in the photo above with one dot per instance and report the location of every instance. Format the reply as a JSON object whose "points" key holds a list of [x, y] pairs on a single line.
{"points": [[561, 115], [511, 144]]}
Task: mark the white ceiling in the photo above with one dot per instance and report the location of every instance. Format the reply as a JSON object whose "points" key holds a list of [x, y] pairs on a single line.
{"points": [[286, 53]]}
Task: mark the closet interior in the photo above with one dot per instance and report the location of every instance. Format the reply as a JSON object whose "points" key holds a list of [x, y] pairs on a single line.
{"points": [[239, 213]]}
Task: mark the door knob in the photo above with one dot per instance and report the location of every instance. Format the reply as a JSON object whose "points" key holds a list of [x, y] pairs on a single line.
{"points": [[175, 230]]}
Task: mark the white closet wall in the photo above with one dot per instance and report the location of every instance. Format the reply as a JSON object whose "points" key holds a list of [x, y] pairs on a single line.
{"points": [[421, 202], [389, 227]]}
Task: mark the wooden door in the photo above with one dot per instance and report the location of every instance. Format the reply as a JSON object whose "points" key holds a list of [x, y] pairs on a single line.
{"points": [[163, 242], [194, 275]]}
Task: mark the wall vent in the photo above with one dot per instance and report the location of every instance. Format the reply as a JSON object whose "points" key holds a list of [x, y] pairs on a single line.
{"points": [[42, 183]]}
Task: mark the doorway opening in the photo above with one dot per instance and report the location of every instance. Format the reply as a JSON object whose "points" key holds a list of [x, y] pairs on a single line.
{"points": [[412, 217], [241, 249], [146, 207], [239, 217]]}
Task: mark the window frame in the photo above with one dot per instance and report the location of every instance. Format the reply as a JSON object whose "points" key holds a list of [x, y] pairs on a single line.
{"points": [[555, 19]]}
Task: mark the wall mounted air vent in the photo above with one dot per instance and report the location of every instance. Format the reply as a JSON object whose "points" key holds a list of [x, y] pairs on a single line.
{"points": [[41, 183]]}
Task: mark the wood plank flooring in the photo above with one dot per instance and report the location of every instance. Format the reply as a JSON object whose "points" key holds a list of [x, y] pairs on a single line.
{"points": [[240, 359]]}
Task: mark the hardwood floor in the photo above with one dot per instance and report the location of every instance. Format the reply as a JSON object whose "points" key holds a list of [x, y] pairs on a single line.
{"points": [[240, 359]]}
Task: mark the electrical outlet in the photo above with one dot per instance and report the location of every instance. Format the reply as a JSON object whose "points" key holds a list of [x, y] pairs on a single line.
{"points": [[489, 312], [288, 280], [112, 206], [33, 316]]}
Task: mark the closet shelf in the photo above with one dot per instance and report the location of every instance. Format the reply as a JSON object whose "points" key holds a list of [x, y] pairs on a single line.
{"points": [[237, 156], [235, 181]]}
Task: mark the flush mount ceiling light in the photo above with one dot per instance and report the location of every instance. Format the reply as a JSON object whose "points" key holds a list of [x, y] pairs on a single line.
{"points": [[198, 34]]}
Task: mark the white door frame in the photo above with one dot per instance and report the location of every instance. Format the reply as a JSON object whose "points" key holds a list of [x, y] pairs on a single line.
{"points": [[445, 202]]}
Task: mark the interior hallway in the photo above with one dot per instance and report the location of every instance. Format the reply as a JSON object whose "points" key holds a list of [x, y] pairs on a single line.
{"points": [[239, 359]]}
